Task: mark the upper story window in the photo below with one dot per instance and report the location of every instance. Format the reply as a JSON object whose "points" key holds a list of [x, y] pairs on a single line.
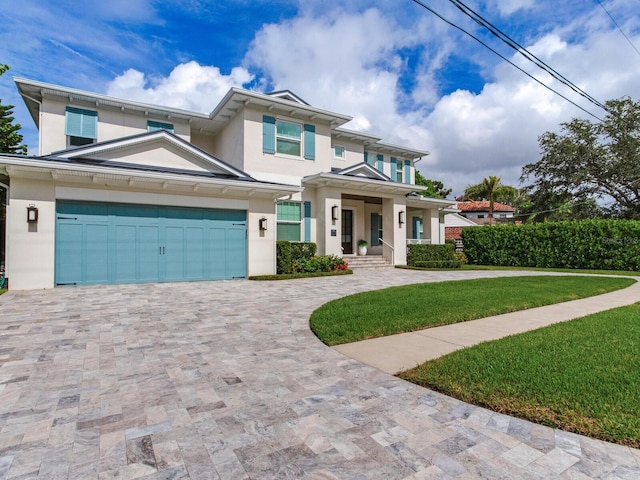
{"points": [[399, 170], [288, 138], [153, 126], [81, 126], [338, 152]]}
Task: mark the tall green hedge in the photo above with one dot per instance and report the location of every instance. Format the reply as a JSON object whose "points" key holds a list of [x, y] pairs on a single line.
{"points": [[432, 256], [586, 244], [289, 252]]}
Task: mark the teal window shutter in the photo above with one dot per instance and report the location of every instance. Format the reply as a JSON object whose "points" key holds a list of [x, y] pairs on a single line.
{"points": [[81, 123], [268, 134], [407, 171], [370, 159], [307, 221], [381, 162], [375, 230], [394, 168], [309, 142], [417, 227], [366, 157], [153, 126]]}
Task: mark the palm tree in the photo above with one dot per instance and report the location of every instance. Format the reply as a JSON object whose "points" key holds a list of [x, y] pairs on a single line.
{"points": [[491, 186]]}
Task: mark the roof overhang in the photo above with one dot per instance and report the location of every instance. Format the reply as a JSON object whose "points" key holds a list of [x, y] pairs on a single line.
{"points": [[30, 167], [237, 98], [374, 141], [33, 92], [427, 202], [360, 183]]}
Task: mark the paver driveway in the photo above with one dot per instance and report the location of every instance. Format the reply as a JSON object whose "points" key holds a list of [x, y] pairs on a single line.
{"points": [[225, 380]]}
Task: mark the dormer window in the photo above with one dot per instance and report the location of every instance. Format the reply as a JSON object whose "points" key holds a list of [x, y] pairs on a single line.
{"points": [[81, 126]]}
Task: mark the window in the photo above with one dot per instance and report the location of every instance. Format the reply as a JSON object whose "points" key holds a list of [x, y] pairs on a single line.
{"points": [[338, 152], [288, 138], [153, 126], [81, 126], [380, 227], [399, 171], [288, 216]]}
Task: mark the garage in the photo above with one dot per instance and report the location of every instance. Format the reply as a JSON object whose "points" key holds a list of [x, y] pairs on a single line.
{"points": [[108, 243]]}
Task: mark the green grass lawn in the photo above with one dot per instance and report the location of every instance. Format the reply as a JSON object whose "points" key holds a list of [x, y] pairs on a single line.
{"points": [[580, 376], [415, 307], [562, 270]]}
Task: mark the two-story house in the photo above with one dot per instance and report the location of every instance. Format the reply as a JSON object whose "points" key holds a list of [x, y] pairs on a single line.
{"points": [[126, 192]]}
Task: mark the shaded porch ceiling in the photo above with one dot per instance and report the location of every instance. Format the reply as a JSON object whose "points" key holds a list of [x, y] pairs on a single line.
{"points": [[362, 198]]}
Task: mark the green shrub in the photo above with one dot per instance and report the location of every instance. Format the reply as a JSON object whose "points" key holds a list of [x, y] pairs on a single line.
{"points": [[432, 256], [289, 252], [586, 244], [323, 263]]}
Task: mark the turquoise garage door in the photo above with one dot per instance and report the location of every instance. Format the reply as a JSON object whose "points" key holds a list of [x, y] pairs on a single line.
{"points": [[100, 243]]}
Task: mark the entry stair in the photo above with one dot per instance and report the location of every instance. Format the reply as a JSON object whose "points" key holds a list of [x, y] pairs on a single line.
{"points": [[366, 261]]}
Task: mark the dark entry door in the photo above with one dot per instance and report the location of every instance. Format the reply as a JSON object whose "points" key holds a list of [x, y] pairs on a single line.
{"points": [[347, 231]]}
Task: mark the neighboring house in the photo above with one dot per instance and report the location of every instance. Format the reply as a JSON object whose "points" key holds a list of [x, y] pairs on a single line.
{"points": [[453, 225], [479, 212], [125, 192]]}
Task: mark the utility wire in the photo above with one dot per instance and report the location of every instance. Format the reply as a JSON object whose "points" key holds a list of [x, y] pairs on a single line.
{"points": [[618, 27], [423, 5], [476, 17]]}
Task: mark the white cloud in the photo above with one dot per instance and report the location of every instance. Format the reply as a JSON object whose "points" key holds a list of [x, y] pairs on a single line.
{"points": [[189, 86], [508, 7]]}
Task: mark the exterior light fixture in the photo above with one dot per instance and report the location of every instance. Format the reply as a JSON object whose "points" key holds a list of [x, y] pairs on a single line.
{"points": [[32, 214], [401, 217], [262, 224], [334, 212]]}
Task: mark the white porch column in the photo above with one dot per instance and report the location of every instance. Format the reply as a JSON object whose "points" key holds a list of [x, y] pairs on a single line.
{"points": [[329, 232], [393, 233]]}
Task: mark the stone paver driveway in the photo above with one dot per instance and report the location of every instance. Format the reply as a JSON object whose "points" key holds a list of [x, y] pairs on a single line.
{"points": [[225, 380]]}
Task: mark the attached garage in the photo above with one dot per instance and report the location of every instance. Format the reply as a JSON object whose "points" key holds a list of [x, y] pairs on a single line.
{"points": [[107, 243]]}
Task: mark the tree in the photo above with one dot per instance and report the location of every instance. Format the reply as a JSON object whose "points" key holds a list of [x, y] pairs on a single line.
{"points": [[491, 189], [592, 162], [435, 188], [10, 139]]}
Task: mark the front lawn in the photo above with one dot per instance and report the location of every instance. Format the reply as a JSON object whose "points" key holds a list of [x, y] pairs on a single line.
{"points": [[415, 307], [580, 376], [630, 273]]}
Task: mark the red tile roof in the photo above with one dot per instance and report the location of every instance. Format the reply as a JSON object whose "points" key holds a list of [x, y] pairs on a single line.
{"points": [[484, 207]]}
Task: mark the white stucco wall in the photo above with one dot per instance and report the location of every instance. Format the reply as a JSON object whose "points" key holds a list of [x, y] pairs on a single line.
{"points": [[112, 123]]}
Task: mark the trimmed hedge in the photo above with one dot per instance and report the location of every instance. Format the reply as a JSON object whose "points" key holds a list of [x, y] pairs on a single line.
{"points": [[586, 244], [289, 252], [432, 256]]}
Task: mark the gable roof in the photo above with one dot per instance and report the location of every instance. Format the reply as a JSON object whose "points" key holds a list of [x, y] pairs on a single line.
{"points": [[363, 170], [483, 206], [287, 95], [114, 152]]}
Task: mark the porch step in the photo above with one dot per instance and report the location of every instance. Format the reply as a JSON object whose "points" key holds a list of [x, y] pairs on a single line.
{"points": [[366, 261]]}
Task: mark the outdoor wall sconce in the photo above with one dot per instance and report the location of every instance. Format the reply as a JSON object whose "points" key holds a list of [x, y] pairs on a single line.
{"points": [[334, 212], [262, 224], [401, 217], [32, 214]]}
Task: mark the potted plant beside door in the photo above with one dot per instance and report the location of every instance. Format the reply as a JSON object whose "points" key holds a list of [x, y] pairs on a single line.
{"points": [[362, 247]]}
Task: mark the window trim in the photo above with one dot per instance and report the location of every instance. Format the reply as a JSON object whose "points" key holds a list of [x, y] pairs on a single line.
{"points": [[344, 152], [290, 222], [290, 139], [399, 171]]}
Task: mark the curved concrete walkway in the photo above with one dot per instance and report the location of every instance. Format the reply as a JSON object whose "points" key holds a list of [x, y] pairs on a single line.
{"points": [[396, 353], [224, 380]]}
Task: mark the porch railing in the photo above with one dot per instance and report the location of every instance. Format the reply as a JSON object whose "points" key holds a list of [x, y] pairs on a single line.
{"points": [[392, 249], [418, 241]]}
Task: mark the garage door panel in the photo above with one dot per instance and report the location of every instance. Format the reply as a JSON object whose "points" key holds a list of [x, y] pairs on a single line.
{"points": [[125, 253], [97, 253], [121, 243], [148, 253]]}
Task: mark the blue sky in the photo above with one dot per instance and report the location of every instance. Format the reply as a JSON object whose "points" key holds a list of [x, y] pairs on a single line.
{"points": [[397, 69]]}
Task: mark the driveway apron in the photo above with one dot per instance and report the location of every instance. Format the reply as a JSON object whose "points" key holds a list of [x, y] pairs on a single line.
{"points": [[224, 380]]}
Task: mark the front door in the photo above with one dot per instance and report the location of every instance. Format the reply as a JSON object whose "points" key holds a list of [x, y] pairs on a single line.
{"points": [[347, 231]]}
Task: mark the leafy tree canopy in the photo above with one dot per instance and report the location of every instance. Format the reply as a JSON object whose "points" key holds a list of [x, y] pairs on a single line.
{"points": [[491, 187], [435, 188], [10, 139], [589, 164]]}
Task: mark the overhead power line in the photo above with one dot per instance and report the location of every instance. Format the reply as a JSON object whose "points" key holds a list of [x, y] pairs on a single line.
{"points": [[483, 22], [423, 5], [618, 27]]}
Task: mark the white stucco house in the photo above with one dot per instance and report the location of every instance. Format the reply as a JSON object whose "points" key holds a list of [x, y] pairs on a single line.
{"points": [[127, 192]]}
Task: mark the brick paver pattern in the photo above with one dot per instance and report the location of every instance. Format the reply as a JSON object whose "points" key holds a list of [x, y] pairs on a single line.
{"points": [[224, 380]]}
